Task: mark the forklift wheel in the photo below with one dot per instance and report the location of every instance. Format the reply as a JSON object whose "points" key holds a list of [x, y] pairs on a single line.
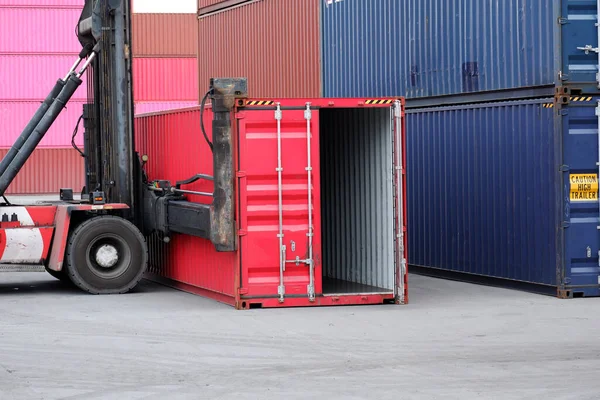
{"points": [[106, 255]]}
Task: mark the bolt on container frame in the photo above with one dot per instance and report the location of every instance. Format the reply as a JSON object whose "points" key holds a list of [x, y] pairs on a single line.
{"points": [[320, 202]]}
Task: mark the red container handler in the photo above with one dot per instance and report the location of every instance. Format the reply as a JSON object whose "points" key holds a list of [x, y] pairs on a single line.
{"points": [[320, 202]]}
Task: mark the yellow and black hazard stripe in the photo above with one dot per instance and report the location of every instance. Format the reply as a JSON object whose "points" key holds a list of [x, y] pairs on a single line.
{"points": [[574, 99], [378, 102], [581, 98], [260, 102]]}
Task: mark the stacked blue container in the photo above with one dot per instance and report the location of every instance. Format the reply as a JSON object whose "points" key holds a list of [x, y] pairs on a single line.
{"points": [[502, 129]]}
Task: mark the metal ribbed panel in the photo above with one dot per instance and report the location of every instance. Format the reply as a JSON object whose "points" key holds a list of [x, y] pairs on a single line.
{"points": [[158, 106], [177, 151], [165, 35], [422, 48], [40, 74], [14, 116], [39, 31], [357, 196], [165, 79], [482, 190], [276, 47], [47, 171], [43, 3]]}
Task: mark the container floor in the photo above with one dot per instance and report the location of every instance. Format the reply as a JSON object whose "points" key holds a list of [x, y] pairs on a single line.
{"points": [[338, 286]]}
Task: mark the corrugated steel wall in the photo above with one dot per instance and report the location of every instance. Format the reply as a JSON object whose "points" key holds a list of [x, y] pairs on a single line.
{"points": [[49, 170], [357, 196], [482, 190], [196, 260], [421, 48], [275, 44], [38, 45], [165, 35], [14, 116], [165, 79]]}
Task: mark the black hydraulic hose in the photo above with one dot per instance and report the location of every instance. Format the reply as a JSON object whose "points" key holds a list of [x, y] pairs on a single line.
{"points": [[202, 105], [75, 134], [37, 117], [38, 133]]}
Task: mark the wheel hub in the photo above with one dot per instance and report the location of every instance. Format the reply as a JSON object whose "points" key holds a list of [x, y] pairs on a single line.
{"points": [[107, 256]]}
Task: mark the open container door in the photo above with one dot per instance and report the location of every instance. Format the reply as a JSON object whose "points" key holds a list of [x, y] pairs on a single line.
{"points": [[321, 202], [278, 193]]}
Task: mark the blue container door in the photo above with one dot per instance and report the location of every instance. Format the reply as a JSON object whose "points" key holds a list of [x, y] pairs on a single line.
{"points": [[580, 43], [581, 275]]}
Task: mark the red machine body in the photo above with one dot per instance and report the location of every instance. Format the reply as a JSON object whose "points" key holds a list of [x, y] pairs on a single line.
{"points": [[37, 235]]}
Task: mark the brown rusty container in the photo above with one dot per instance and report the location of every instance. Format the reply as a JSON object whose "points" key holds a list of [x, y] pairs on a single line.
{"points": [[165, 35], [274, 43]]}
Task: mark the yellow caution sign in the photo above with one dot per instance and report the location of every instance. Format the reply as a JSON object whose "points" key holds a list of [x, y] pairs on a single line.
{"points": [[584, 187]]}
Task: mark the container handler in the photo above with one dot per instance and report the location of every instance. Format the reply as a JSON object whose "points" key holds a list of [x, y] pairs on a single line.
{"points": [[98, 243]]}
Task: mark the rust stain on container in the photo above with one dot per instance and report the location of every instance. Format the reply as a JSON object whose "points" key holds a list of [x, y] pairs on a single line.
{"points": [[49, 170], [276, 47], [165, 35]]}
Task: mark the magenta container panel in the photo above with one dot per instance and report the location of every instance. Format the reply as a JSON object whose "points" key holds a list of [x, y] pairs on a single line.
{"points": [[157, 106], [165, 79], [31, 77], [15, 115], [43, 3], [28, 30]]}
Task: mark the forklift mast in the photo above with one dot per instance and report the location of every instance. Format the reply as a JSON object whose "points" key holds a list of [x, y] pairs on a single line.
{"points": [[108, 115]]}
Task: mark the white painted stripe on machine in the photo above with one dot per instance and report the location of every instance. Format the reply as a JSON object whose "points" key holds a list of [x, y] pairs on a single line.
{"points": [[23, 245], [22, 215]]}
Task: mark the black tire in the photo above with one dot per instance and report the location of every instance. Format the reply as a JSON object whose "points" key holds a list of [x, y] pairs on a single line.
{"points": [[95, 274], [60, 275]]}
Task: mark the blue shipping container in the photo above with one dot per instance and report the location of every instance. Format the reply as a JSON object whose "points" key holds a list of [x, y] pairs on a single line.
{"points": [[507, 190], [417, 48]]}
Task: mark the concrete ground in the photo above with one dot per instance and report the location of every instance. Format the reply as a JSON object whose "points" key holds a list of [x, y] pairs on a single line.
{"points": [[454, 341]]}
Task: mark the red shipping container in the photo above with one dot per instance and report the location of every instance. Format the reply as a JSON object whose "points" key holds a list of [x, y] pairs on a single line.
{"points": [[165, 79], [347, 213], [39, 30], [47, 171], [273, 43]]}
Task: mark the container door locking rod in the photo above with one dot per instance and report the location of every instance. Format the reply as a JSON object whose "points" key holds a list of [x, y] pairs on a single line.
{"points": [[279, 169]]}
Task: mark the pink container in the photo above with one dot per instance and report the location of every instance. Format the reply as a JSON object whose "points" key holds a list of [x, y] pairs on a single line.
{"points": [[165, 79], [15, 115], [152, 107], [28, 30], [43, 3], [31, 77]]}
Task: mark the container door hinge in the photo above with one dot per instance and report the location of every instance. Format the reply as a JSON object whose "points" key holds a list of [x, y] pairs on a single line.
{"points": [[566, 224], [242, 291], [564, 168], [567, 280], [563, 21], [401, 281], [242, 232], [241, 174]]}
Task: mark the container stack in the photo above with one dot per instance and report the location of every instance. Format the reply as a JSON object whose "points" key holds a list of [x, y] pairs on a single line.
{"points": [[31, 61], [165, 45], [502, 130], [501, 124], [275, 44]]}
